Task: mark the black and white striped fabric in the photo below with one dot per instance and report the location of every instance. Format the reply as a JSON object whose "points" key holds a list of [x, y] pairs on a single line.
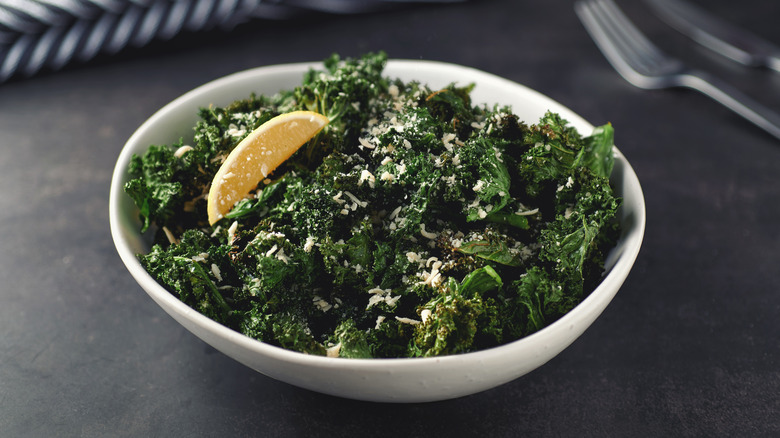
{"points": [[49, 34]]}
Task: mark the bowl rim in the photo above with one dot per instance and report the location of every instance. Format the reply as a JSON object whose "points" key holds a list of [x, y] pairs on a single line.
{"points": [[604, 291]]}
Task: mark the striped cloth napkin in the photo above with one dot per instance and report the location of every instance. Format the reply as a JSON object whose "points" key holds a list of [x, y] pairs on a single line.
{"points": [[49, 34]]}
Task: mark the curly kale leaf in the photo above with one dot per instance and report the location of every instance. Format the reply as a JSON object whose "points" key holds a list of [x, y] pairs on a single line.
{"points": [[598, 155], [569, 251], [342, 92], [185, 275], [390, 339], [284, 329], [462, 319], [452, 106], [346, 261], [293, 334], [450, 329], [572, 175], [573, 243], [421, 203], [278, 269], [278, 280], [556, 149], [153, 188], [479, 282], [350, 341], [492, 189], [542, 300], [494, 250]]}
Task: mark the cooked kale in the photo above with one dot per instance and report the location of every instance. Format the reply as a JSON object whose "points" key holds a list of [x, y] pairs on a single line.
{"points": [[415, 224]]}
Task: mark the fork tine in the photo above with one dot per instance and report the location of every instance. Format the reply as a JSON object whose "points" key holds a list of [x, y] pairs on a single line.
{"points": [[623, 43], [629, 33], [605, 38], [624, 46]]}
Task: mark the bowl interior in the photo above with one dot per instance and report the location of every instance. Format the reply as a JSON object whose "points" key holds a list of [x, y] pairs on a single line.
{"points": [[394, 380]]}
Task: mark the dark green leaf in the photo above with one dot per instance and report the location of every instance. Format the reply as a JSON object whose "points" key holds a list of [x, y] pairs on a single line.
{"points": [[495, 251]]}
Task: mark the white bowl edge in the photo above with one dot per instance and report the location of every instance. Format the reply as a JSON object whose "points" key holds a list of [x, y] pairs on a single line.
{"points": [[383, 380]]}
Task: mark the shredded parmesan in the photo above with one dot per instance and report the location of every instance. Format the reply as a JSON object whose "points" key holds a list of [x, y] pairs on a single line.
{"points": [[215, 270], [394, 213], [356, 200], [379, 295], [280, 255], [309, 244], [387, 176], [447, 140], [365, 175], [427, 234], [169, 235], [392, 89], [365, 143], [527, 212], [333, 351], [407, 320], [232, 232], [200, 258], [182, 150]]}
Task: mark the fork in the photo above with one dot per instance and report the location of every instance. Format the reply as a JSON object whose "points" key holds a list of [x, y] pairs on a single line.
{"points": [[717, 34], [644, 65]]}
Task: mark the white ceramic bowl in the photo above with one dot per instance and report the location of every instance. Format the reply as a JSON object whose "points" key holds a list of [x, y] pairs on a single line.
{"points": [[384, 380]]}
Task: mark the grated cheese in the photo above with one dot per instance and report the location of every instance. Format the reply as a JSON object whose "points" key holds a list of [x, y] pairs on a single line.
{"points": [[364, 143], [169, 235], [215, 270], [365, 175], [394, 213], [407, 320], [309, 244], [232, 232], [427, 234], [182, 150], [356, 200], [333, 351]]}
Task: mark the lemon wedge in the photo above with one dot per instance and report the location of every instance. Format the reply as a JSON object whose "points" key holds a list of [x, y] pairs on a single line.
{"points": [[262, 151]]}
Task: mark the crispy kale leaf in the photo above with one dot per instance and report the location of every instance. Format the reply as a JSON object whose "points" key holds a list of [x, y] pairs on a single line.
{"points": [[194, 278], [154, 189], [460, 317]]}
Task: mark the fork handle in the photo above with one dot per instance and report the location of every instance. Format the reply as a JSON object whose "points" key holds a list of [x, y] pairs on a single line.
{"points": [[736, 101]]}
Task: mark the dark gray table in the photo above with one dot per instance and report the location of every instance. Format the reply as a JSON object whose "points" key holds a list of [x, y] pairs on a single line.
{"points": [[689, 347]]}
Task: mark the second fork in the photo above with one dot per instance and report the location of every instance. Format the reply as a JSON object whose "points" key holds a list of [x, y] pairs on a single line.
{"points": [[644, 65]]}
